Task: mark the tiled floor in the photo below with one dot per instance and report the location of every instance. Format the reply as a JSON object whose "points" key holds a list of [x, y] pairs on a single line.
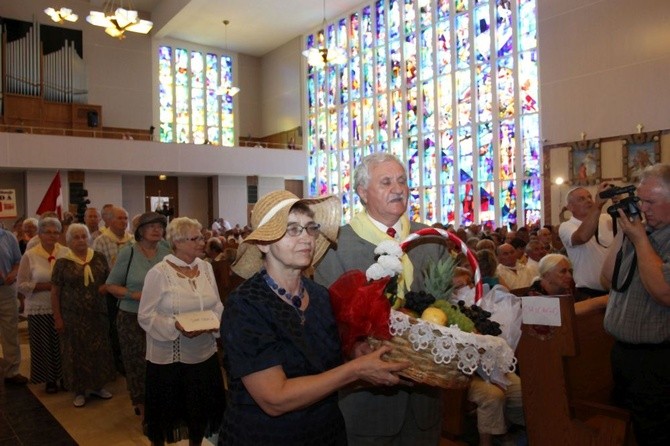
{"points": [[31, 417]]}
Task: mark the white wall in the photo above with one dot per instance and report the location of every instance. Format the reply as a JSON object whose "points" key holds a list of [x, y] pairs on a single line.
{"points": [[103, 188], [193, 198], [134, 194], [281, 81], [603, 67], [230, 199]]}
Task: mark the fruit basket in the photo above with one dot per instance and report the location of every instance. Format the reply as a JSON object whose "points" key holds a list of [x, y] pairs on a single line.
{"points": [[441, 356]]}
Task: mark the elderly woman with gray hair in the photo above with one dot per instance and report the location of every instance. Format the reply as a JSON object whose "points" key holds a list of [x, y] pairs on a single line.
{"points": [[555, 277], [184, 385], [34, 282], [80, 317]]}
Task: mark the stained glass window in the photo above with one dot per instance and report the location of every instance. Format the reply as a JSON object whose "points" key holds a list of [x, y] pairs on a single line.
{"points": [[451, 88], [193, 105]]}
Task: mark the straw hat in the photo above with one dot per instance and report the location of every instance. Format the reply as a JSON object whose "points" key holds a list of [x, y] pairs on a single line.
{"points": [[148, 218], [269, 219]]}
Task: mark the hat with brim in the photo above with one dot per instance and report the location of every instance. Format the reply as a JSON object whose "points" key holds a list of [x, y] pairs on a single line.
{"points": [[269, 219], [146, 219]]}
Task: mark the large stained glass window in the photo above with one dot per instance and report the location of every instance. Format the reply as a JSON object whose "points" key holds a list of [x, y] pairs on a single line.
{"points": [[449, 86], [194, 106]]}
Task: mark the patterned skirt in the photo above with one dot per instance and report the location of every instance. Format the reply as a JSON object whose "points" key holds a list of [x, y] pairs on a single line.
{"points": [[45, 359]]}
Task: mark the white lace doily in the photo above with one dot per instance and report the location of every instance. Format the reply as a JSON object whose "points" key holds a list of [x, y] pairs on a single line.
{"points": [[447, 344]]}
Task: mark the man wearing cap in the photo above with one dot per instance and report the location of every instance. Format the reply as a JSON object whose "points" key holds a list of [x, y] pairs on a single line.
{"points": [[399, 415]]}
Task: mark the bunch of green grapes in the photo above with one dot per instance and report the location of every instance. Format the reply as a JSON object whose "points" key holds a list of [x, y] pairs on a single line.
{"points": [[454, 315]]}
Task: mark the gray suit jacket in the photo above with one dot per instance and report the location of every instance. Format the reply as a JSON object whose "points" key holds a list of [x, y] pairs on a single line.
{"points": [[382, 411]]}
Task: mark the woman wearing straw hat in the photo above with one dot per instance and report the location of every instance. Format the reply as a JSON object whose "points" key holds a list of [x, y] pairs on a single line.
{"points": [[125, 282], [281, 344]]}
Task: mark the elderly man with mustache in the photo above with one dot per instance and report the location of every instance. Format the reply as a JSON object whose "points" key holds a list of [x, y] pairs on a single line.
{"points": [[399, 415]]}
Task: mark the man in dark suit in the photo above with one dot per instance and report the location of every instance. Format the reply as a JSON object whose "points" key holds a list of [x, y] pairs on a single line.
{"points": [[383, 416]]}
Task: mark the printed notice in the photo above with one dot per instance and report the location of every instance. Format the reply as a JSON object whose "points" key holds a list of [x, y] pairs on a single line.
{"points": [[539, 310], [198, 320]]}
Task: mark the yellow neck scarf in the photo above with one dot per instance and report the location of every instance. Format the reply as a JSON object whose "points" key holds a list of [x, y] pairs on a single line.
{"points": [[88, 273], [51, 258], [365, 229]]}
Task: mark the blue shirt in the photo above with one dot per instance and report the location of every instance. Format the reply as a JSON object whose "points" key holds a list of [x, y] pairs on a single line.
{"points": [[10, 254]]}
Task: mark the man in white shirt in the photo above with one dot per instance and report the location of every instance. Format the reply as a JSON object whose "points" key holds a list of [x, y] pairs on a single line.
{"points": [[514, 274], [586, 237]]}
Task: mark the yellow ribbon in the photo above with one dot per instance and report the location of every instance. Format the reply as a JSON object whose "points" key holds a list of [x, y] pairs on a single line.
{"points": [[365, 229], [88, 273]]}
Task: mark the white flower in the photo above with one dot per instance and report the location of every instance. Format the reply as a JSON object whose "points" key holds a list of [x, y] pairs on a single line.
{"points": [[389, 247], [391, 264], [376, 272]]}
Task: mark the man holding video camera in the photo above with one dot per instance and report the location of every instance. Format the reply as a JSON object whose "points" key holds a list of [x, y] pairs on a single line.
{"points": [[586, 237], [638, 309]]}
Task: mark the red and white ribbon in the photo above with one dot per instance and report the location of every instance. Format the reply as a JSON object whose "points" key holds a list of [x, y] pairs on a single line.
{"points": [[464, 249]]}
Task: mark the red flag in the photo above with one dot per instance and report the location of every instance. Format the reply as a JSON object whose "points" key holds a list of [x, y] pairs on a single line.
{"points": [[53, 199]]}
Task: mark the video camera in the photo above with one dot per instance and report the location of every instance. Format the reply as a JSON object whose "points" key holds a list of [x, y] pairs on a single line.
{"points": [[628, 203]]}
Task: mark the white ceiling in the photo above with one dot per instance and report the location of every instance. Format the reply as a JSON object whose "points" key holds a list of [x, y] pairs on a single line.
{"points": [[256, 26]]}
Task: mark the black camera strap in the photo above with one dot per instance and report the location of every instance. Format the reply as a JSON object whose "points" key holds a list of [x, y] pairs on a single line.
{"points": [[617, 267]]}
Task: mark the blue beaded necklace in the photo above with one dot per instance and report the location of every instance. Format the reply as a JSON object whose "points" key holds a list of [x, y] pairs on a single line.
{"points": [[294, 299]]}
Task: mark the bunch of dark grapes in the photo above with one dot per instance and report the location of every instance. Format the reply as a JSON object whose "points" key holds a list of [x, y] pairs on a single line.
{"points": [[418, 301], [481, 318]]}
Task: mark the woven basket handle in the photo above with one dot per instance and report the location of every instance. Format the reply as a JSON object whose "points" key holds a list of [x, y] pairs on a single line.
{"points": [[464, 249]]}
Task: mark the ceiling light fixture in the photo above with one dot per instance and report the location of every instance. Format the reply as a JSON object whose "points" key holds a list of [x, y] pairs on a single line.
{"points": [[227, 88], [321, 55], [117, 17], [61, 15]]}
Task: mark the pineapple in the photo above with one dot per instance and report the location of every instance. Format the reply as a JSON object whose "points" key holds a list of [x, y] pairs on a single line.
{"points": [[438, 277]]}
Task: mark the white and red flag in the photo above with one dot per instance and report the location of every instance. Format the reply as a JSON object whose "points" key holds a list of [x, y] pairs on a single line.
{"points": [[53, 199]]}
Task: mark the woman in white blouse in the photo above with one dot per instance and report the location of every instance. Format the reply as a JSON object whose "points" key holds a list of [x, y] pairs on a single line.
{"points": [[184, 386], [34, 279]]}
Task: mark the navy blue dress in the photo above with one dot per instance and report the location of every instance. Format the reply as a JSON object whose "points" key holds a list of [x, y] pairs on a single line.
{"points": [[259, 331]]}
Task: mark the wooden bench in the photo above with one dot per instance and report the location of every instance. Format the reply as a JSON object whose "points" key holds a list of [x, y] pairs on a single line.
{"points": [[567, 383]]}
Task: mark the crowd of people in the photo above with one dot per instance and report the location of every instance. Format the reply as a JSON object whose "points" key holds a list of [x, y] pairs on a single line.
{"points": [[169, 303]]}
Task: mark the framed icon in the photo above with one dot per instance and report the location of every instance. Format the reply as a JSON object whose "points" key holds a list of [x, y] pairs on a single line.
{"points": [[640, 150], [585, 162]]}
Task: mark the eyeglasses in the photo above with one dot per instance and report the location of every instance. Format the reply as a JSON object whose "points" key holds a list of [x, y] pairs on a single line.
{"points": [[197, 239], [51, 233], [294, 229]]}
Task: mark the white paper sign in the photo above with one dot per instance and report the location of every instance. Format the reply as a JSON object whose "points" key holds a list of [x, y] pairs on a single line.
{"points": [[540, 310], [198, 320]]}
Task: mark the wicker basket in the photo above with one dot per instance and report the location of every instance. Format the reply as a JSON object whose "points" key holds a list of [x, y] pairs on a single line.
{"points": [[444, 356], [441, 356], [423, 370]]}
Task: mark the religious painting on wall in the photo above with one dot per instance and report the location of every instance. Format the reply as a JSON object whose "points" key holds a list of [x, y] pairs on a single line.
{"points": [[585, 162], [640, 150]]}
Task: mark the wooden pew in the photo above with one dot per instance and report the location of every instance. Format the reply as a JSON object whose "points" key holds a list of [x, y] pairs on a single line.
{"points": [[567, 382]]}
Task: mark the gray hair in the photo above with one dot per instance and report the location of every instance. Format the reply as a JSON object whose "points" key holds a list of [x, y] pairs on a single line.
{"points": [[31, 221], [549, 262], [660, 172], [178, 227], [362, 171], [76, 227], [48, 221]]}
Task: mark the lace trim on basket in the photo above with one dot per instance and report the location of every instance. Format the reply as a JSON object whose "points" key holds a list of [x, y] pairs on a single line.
{"points": [[470, 350]]}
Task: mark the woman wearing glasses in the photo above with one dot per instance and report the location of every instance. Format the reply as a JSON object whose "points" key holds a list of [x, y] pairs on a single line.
{"points": [[281, 344], [34, 279], [184, 388]]}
